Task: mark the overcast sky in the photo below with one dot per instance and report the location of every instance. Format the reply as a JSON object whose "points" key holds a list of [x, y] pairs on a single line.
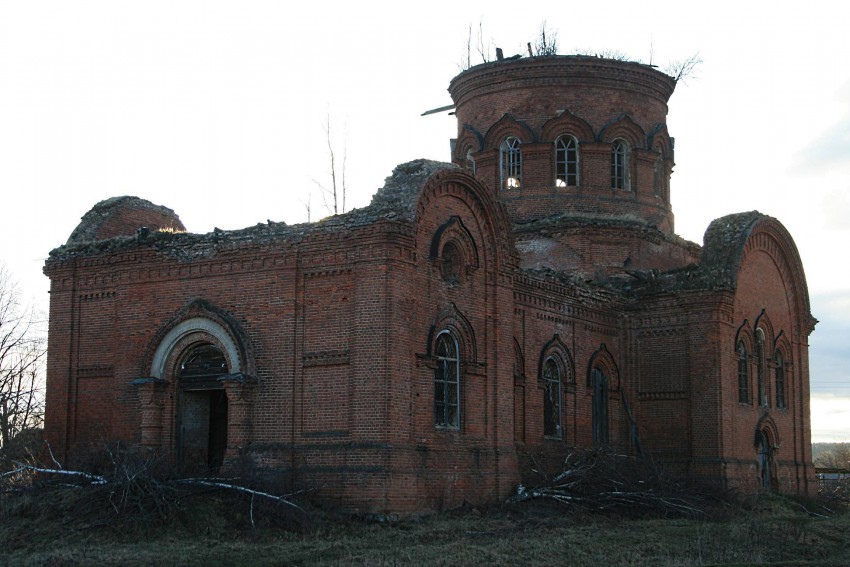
{"points": [[217, 110]]}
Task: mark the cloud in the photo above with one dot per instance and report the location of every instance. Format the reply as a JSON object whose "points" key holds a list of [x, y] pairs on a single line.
{"points": [[836, 208], [829, 150], [829, 357], [829, 418]]}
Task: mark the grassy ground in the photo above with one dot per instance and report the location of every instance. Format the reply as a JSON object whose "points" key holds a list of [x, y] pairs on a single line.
{"points": [[57, 528]]}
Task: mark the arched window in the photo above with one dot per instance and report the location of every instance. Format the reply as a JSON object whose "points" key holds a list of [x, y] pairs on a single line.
{"points": [[600, 405], [780, 379], [760, 364], [446, 381], [658, 174], [203, 366], [552, 376], [510, 158], [566, 162], [470, 162], [619, 165], [743, 374]]}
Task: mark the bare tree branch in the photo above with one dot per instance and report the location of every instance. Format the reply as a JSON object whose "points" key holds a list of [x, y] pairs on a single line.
{"points": [[92, 478], [22, 354], [216, 483], [482, 51], [684, 69], [546, 44], [333, 196]]}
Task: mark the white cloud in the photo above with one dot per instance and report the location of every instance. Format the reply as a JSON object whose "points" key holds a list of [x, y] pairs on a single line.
{"points": [[830, 418]]}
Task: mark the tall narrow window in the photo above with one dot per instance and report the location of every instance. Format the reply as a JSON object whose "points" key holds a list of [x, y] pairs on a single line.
{"points": [[552, 398], [510, 158], [780, 380], [658, 175], [743, 374], [619, 165], [566, 162], [600, 405], [446, 382], [760, 364], [451, 265], [470, 162]]}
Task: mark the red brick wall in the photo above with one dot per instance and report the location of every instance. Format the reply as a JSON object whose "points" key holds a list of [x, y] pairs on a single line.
{"points": [[332, 326], [527, 98]]}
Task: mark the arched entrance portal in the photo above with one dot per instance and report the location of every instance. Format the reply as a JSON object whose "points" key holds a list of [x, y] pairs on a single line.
{"points": [[202, 409], [765, 469]]}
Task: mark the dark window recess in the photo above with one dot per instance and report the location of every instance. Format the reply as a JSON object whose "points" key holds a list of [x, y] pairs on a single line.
{"points": [[203, 367], [600, 406], [760, 364], [446, 382], [552, 399], [743, 374], [780, 380], [510, 157], [619, 165], [451, 265]]}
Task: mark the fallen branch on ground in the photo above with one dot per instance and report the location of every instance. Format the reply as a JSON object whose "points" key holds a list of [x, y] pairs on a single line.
{"points": [[95, 479], [603, 481]]}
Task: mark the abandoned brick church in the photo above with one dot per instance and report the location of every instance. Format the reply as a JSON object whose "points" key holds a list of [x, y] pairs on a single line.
{"points": [[526, 299]]}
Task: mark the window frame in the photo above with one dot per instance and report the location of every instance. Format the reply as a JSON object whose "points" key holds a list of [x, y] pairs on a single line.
{"points": [[447, 366], [658, 174], [761, 365], [553, 407], [599, 415], [620, 165], [510, 163], [469, 163], [566, 155]]}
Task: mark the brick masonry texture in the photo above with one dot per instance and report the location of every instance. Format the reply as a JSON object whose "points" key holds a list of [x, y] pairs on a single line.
{"points": [[308, 353]]}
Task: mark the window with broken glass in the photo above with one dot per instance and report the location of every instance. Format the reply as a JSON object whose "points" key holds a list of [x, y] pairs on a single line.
{"points": [[202, 368], [619, 165], [446, 381], [566, 162], [552, 398], [743, 374], [510, 158]]}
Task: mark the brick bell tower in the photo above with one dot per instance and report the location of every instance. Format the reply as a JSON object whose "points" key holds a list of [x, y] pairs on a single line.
{"points": [[574, 145]]}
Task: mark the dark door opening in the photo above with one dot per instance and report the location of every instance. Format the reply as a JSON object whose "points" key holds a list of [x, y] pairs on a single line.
{"points": [[202, 413], [218, 430], [765, 471]]}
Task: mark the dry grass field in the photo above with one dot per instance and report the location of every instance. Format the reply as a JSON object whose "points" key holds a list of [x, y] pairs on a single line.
{"points": [[73, 526]]}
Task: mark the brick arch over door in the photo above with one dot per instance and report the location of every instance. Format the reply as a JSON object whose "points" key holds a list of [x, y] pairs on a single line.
{"points": [[167, 404], [197, 327]]}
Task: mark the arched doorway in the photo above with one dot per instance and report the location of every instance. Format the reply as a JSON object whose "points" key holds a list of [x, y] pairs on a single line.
{"points": [[202, 409], [764, 460]]}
